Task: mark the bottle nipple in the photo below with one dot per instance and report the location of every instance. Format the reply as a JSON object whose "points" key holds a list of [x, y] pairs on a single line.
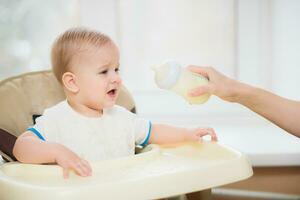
{"points": [[166, 74]]}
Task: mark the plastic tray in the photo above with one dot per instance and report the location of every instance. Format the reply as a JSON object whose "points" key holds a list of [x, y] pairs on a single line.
{"points": [[160, 171]]}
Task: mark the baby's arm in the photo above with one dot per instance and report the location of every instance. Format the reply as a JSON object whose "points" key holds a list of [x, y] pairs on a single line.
{"points": [[30, 149], [162, 134]]}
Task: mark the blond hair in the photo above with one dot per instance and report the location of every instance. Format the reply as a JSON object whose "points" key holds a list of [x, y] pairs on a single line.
{"points": [[71, 42]]}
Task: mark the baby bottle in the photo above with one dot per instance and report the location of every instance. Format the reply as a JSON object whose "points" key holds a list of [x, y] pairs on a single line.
{"points": [[171, 76]]}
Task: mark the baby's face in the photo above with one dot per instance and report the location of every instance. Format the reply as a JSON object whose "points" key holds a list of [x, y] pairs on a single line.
{"points": [[97, 76]]}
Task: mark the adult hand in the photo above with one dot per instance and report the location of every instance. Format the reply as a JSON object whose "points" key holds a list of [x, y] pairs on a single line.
{"points": [[218, 85], [261, 101]]}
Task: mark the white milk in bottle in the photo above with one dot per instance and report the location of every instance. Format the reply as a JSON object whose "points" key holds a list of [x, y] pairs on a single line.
{"points": [[171, 76]]}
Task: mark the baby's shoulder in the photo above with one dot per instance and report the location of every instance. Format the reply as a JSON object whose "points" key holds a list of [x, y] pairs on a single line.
{"points": [[55, 110], [51, 115]]}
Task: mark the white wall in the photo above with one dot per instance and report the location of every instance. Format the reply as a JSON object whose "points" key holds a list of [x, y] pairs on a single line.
{"points": [[255, 41], [27, 30], [269, 45], [101, 15], [191, 32], [286, 48], [199, 32]]}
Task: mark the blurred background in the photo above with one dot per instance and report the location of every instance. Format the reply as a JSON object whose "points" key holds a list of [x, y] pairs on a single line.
{"points": [[254, 41]]}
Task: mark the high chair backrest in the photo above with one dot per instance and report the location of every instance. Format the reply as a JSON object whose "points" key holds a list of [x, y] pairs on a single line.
{"points": [[25, 96]]}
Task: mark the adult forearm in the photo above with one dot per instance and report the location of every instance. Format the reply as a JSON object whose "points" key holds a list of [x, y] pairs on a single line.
{"points": [[282, 112], [31, 150]]}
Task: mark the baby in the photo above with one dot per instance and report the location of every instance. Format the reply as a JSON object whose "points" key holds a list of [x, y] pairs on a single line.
{"points": [[87, 125]]}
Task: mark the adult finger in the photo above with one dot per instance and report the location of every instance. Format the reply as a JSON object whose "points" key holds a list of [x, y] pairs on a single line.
{"points": [[200, 90], [203, 70]]}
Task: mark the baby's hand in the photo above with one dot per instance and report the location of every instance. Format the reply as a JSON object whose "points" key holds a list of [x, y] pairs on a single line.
{"points": [[68, 160], [196, 134]]}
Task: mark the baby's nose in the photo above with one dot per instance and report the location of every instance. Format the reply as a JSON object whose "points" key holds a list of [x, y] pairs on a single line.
{"points": [[116, 78]]}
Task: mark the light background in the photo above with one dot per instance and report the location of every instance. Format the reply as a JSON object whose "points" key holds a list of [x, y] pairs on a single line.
{"points": [[254, 41]]}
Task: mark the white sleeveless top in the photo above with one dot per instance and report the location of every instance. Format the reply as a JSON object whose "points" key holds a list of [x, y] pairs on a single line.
{"points": [[112, 135]]}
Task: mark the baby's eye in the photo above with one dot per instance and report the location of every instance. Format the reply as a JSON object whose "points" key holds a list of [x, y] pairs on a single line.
{"points": [[117, 69], [103, 72]]}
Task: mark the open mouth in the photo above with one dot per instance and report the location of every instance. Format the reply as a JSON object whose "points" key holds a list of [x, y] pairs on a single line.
{"points": [[112, 92]]}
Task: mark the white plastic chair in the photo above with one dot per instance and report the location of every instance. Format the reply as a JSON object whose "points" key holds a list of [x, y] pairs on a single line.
{"points": [[158, 172]]}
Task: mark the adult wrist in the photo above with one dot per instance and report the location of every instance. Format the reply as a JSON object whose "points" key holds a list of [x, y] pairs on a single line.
{"points": [[243, 93], [232, 90]]}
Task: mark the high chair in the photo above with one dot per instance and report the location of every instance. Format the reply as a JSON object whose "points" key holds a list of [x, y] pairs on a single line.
{"points": [[157, 172]]}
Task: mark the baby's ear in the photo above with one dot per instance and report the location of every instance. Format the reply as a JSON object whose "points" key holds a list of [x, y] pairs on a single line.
{"points": [[69, 81]]}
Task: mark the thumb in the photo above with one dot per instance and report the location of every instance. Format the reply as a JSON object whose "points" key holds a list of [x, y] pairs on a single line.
{"points": [[199, 90]]}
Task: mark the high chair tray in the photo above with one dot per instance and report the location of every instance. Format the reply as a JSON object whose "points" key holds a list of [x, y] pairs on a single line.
{"points": [[160, 171]]}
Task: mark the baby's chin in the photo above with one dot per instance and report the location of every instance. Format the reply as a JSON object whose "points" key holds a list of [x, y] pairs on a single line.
{"points": [[109, 105]]}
